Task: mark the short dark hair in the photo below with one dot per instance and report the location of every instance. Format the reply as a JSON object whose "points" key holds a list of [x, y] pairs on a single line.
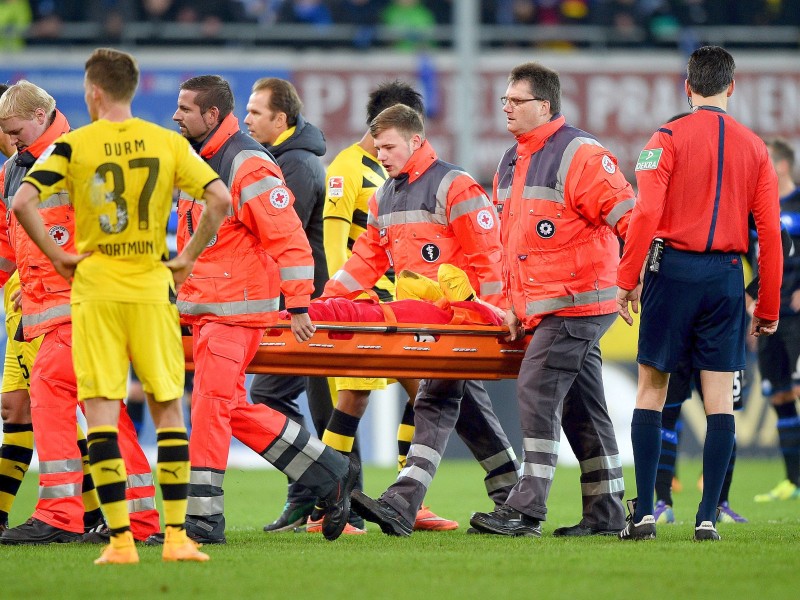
{"points": [[710, 70], [405, 119], [114, 72], [212, 90], [283, 97], [544, 83], [782, 150], [390, 93]]}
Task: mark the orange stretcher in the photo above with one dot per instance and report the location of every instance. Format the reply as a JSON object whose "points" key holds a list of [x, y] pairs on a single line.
{"points": [[398, 350]]}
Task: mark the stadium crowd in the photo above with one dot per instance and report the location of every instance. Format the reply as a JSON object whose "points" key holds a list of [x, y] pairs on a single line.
{"points": [[628, 23]]}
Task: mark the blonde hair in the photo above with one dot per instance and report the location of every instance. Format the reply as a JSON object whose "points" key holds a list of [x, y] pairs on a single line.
{"points": [[22, 99]]}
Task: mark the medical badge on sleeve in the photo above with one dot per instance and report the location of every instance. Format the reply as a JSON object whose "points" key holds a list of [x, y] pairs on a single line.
{"points": [[279, 197], [59, 234], [485, 219], [609, 165]]}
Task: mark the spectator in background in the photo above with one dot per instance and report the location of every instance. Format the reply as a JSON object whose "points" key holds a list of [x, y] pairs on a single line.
{"points": [[306, 12], [158, 11], [365, 14], [15, 19], [625, 19], [413, 21], [112, 15], [210, 13], [539, 12], [263, 12]]}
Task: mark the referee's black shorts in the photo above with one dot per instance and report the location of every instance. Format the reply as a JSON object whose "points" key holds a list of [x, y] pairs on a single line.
{"points": [[693, 309]]}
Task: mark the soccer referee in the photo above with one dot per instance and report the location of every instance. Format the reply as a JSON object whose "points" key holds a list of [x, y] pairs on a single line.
{"points": [[699, 178]]}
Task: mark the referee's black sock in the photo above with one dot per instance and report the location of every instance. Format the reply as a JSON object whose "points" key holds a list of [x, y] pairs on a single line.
{"points": [[789, 439], [646, 439], [716, 457]]}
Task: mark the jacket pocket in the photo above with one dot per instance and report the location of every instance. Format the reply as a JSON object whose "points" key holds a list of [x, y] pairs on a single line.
{"points": [[212, 269], [223, 363], [575, 340]]}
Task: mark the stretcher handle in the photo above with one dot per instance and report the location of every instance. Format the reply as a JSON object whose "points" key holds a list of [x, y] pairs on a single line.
{"points": [[400, 329]]}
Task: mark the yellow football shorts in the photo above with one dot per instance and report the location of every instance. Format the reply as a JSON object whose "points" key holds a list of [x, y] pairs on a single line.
{"points": [[108, 336], [19, 355], [360, 383]]}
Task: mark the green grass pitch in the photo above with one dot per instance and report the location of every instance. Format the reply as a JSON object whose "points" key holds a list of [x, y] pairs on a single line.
{"points": [[758, 560]]}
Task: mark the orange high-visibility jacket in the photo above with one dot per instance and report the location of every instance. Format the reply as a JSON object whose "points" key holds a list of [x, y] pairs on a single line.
{"points": [[433, 213], [563, 202], [45, 294], [260, 249]]}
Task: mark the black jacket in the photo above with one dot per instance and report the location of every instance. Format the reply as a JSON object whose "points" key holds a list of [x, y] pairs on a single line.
{"points": [[299, 159]]}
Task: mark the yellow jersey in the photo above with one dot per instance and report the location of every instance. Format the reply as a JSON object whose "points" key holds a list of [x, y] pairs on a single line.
{"points": [[120, 177], [352, 179]]}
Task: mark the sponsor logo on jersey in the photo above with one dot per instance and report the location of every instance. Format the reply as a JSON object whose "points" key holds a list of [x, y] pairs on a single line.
{"points": [[545, 228], [430, 253], [609, 165], [279, 197], [336, 187], [485, 219], [59, 233], [649, 159]]}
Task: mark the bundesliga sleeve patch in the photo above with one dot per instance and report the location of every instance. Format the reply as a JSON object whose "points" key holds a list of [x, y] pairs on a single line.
{"points": [[336, 187], [649, 159]]}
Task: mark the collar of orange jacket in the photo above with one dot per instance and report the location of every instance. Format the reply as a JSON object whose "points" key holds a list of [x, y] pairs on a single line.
{"points": [[419, 161], [57, 128], [533, 140], [226, 129]]}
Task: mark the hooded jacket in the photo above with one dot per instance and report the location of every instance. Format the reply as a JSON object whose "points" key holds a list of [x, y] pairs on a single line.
{"points": [[299, 159]]}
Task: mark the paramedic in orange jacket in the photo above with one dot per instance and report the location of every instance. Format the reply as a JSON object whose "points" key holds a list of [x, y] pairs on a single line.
{"points": [[429, 213], [28, 113], [229, 299], [564, 204]]}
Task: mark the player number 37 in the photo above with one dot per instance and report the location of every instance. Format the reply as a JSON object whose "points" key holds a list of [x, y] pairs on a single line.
{"points": [[117, 194]]}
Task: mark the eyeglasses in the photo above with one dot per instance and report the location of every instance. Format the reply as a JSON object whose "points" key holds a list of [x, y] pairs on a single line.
{"points": [[515, 102]]}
